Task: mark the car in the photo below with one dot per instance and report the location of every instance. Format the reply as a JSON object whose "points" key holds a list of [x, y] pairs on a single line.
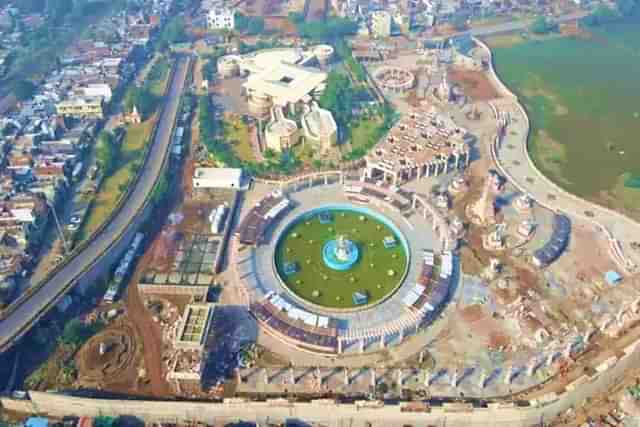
{"points": [[76, 219]]}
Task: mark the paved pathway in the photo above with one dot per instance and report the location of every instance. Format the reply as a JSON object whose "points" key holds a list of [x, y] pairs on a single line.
{"points": [[512, 157]]}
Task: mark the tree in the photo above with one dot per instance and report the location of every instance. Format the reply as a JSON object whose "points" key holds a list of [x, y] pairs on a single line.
{"points": [[338, 98], [174, 31], [75, 332], [24, 89], [601, 15], [334, 28], [107, 152], [459, 22], [143, 99], [296, 18], [256, 26], [626, 7], [542, 25]]}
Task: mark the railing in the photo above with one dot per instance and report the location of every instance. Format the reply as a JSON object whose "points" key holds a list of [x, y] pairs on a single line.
{"points": [[79, 249]]}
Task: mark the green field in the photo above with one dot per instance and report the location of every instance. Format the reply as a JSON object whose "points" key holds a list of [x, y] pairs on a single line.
{"points": [[303, 242], [583, 99]]}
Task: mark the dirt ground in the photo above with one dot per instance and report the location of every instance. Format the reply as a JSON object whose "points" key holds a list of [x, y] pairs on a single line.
{"points": [[117, 369], [475, 84], [150, 334], [279, 23]]}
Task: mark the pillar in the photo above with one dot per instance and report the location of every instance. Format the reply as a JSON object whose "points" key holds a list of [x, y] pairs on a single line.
{"points": [[454, 378], [238, 376], [400, 377], [482, 382], [567, 350], [292, 376], [339, 346], [362, 345], [310, 181], [326, 180], [266, 376], [382, 342], [346, 376], [373, 378], [531, 369], [507, 378], [588, 335], [421, 357], [401, 335], [318, 376], [427, 378]]}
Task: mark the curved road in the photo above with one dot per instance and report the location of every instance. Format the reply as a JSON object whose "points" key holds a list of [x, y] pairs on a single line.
{"points": [[512, 158], [28, 311]]}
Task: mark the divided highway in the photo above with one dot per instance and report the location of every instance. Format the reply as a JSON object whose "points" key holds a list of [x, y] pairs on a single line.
{"points": [[27, 311]]}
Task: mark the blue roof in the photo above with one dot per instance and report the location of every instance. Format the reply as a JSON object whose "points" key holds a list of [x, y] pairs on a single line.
{"points": [[37, 422], [612, 277]]}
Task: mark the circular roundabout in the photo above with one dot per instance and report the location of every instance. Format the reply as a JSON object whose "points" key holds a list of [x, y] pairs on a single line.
{"points": [[336, 273], [341, 257]]}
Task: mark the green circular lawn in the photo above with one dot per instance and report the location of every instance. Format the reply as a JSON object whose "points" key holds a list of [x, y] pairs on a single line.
{"points": [[377, 273]]}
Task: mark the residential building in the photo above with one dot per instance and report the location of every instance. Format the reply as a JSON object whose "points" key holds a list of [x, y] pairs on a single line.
{"points": [[221, 19], [82, 106], [381, 22]]}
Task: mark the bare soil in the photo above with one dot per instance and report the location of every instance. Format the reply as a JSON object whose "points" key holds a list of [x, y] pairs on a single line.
{"points": [[475, 84]]}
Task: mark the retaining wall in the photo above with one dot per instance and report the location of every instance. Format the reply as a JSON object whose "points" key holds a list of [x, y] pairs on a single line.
{"points": [[332, 413]]}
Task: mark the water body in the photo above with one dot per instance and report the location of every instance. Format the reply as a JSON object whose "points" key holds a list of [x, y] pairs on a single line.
{"points": [[583, 99]]}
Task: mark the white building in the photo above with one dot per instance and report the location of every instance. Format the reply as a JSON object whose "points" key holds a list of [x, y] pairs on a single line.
{"points": [[98, 89], [217, 178], [381, 24], [220, 19]]}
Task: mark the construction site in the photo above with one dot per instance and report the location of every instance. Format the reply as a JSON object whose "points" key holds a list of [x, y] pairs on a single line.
{"points": [[504, 296]]}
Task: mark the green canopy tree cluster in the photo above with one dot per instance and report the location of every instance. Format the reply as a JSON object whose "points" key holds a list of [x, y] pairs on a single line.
{"points": [[107, 152], [543, 25], [251, 25], [333, 28], [338, 97]]}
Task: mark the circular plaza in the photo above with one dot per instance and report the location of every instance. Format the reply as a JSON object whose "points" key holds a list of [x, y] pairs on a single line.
{"points": [[341, 257], [340, 267]]}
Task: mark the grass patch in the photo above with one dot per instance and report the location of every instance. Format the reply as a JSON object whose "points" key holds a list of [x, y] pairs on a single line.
{"points": [[158, 77], [115, 185], [237, 133], [504, 40], [364, 136], [303, 245]]}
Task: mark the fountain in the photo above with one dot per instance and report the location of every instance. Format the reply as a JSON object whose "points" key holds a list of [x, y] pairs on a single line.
{"points": [[340, 254]]}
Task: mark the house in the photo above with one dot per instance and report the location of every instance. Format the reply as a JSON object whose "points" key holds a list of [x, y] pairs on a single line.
{"points": [[221, 18], [82, 107], [381, 24]]}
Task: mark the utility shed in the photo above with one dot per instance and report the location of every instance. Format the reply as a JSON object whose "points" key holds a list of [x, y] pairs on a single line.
{"points": [[217, 178]]}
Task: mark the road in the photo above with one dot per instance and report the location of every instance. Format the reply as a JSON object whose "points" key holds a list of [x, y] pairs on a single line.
{"points": [[31, 309], [508, 27]]}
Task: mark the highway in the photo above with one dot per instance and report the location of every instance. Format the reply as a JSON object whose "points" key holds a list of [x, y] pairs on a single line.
{"points": [[28, 310]]}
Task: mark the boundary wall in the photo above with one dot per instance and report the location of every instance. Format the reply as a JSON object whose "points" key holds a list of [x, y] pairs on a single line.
{"points": [[505, 413]]}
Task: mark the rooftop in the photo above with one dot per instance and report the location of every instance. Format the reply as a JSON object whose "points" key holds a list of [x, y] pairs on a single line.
{"points": [[286, 83]]}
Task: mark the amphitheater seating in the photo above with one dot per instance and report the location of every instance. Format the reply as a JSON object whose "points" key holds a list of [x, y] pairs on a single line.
{"points": [[429, 293], [296, 324], [254, 225], [557, 244]]}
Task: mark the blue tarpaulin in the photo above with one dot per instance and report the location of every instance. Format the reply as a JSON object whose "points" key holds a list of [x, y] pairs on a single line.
{"points": [[612, 277]]}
